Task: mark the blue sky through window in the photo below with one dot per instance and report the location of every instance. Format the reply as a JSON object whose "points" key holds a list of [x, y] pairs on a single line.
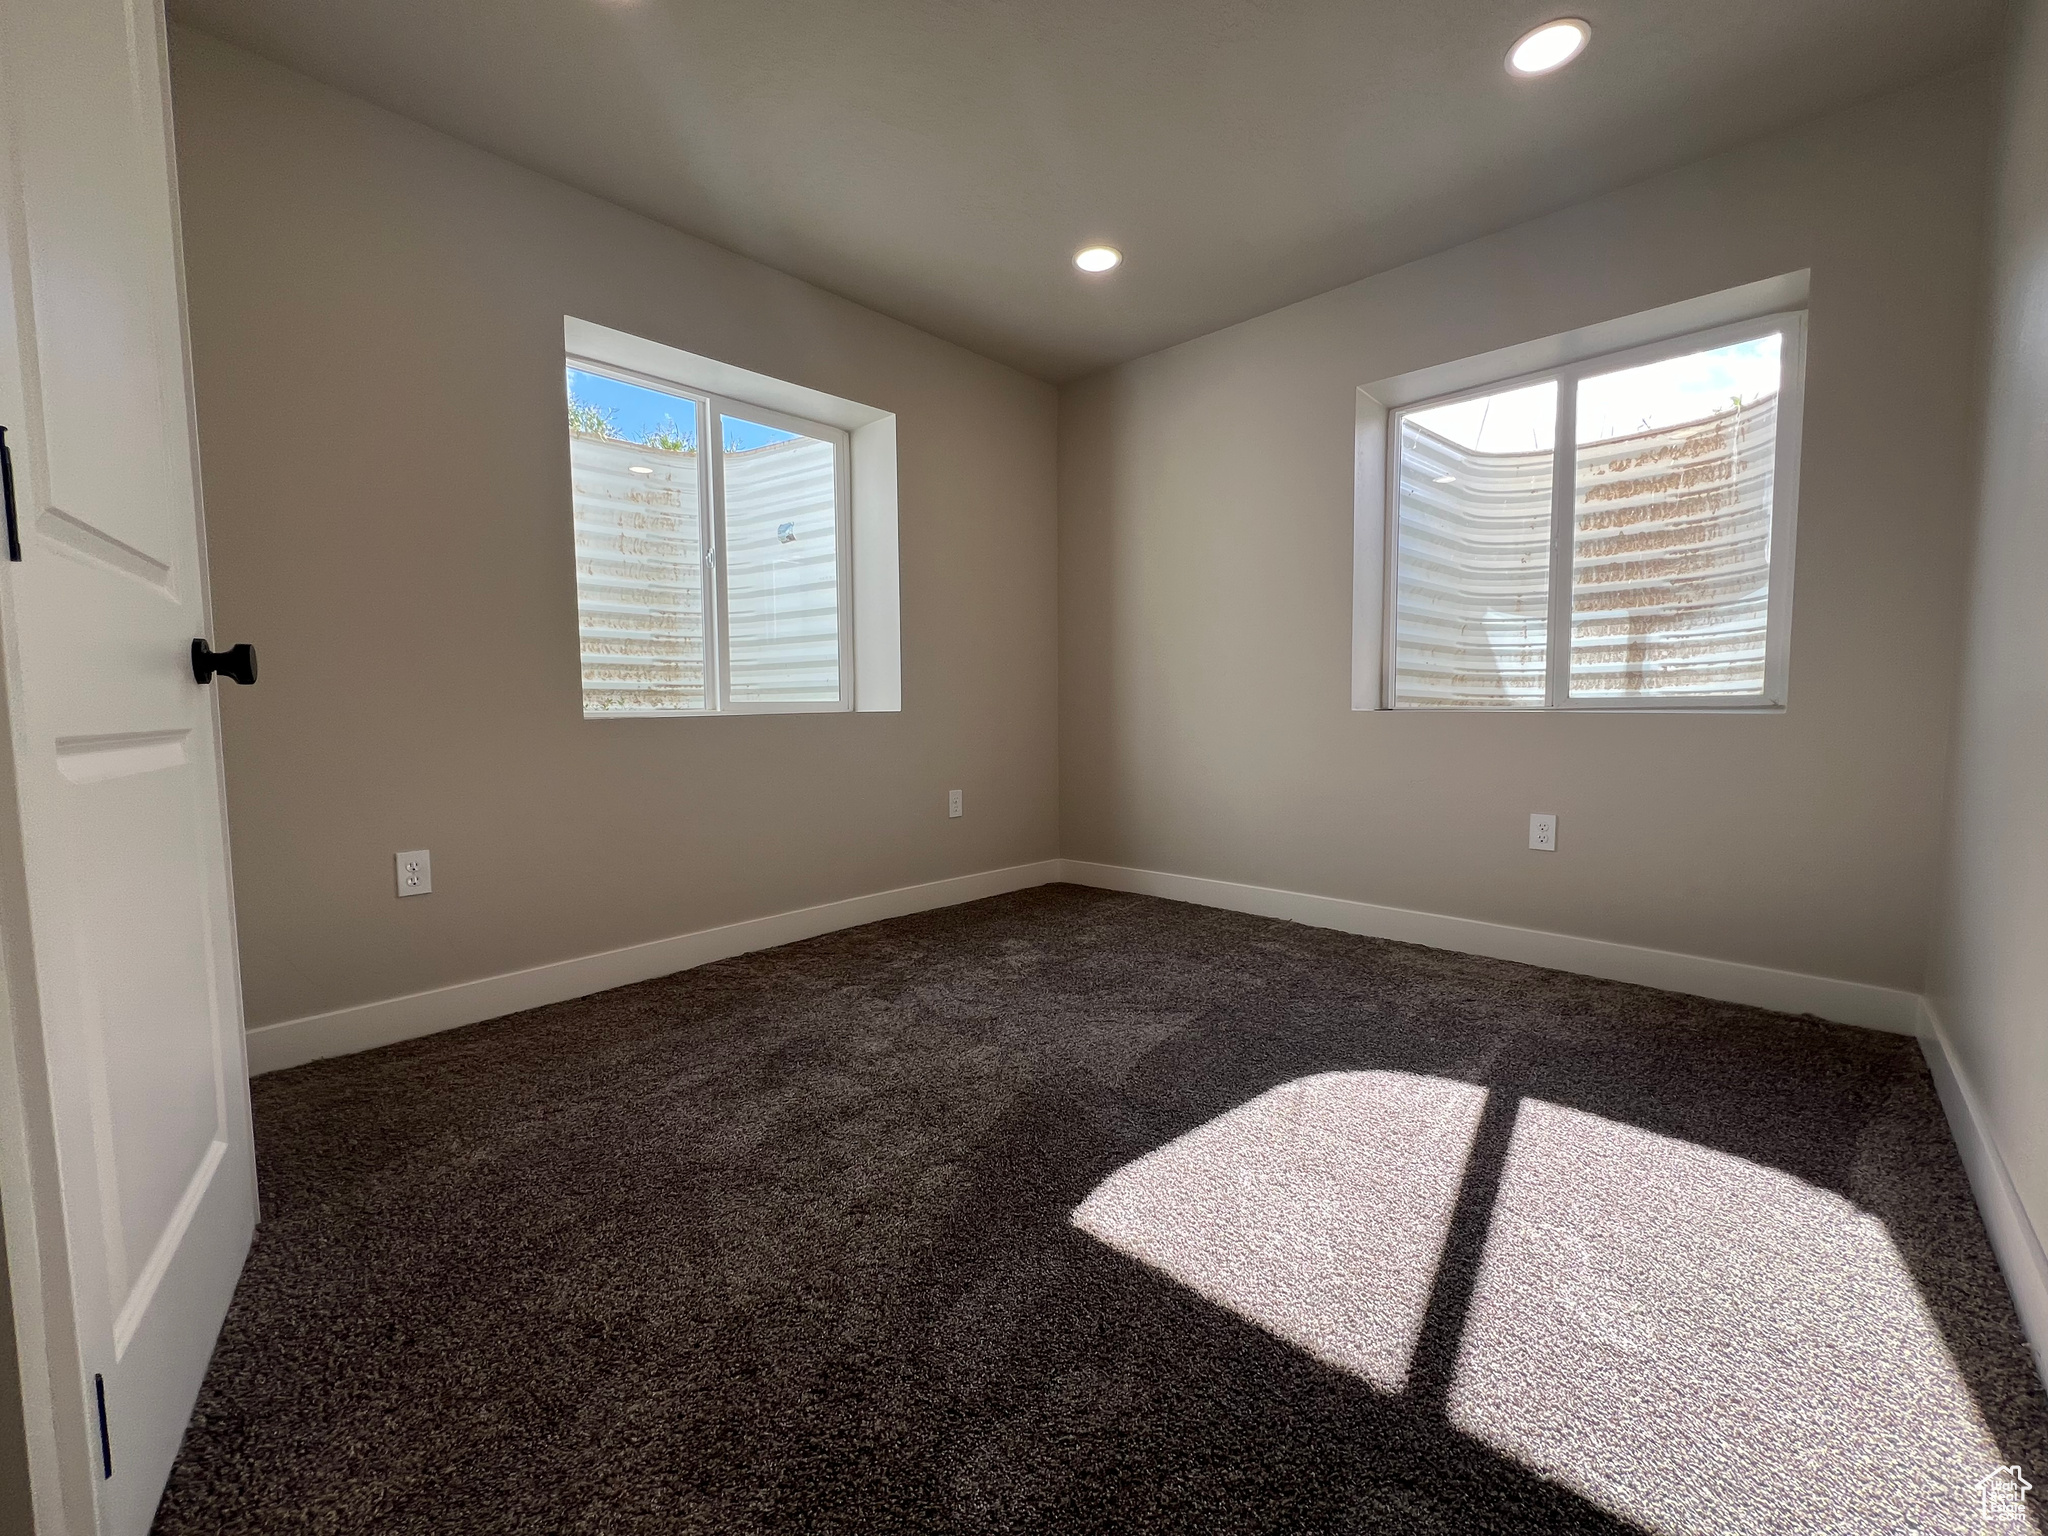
{"points": [[637, 412], [1650, 398], [1658, 396]]}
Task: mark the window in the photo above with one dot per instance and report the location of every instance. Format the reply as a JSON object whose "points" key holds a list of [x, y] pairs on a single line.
{"points": [[712, 542], [1613, 533]]}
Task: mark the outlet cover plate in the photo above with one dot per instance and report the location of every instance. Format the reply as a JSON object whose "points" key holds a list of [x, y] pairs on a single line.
{"points": [[415, 872]]}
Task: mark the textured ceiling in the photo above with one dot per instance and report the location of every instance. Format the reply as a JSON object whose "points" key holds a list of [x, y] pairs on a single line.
{"points": [[940, 160]]}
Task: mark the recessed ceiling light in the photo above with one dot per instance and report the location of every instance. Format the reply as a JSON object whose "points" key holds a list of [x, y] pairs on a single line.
{"points": [[1551, 46], [640, 469], [1097, 258]]}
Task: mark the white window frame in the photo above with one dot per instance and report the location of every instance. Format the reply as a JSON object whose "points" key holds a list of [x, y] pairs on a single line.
{"points": [[711, 410], [1791, 324]]}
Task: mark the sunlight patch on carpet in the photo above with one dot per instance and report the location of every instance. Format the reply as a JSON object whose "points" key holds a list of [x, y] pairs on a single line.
{"points": [[1317, 1211], [1702, 1344]]}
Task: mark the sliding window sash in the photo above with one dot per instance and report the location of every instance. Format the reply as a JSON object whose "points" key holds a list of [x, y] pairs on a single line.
{"points": [[712, 410], [1791, 326], [842, 550]]}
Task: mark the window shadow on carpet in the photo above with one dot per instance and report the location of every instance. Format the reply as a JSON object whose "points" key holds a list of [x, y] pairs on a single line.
{"points": [[1685, 1338]]}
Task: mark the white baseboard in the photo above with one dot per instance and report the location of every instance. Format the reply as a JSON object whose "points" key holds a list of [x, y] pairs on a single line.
{"points": [[296, 1041], [368, 1025], [1729, 981], [2013, 1237]]}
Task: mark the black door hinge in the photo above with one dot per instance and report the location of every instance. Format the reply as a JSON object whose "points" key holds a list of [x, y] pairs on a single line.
{"points": [[99, 1390], [7, 486]]}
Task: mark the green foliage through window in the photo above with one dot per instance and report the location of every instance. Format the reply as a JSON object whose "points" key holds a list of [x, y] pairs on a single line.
{"points": [[601, 421]]}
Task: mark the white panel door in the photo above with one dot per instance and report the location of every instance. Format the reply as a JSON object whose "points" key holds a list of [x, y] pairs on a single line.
{"points": [[135, 1067]]}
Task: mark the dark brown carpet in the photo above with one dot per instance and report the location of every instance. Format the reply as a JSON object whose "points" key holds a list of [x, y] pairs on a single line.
{"points": [[1069, 1211]]}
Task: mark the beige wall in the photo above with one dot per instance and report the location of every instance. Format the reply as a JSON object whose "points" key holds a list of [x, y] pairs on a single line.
{"points": [[16, 1509], [1990, 983], [377, 335], [1205, 547]]}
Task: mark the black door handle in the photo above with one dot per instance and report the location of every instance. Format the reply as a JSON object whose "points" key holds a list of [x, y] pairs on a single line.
{"points": [[237, 662], [7, 489]]}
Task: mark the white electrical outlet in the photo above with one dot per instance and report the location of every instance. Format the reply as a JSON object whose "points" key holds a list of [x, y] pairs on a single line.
{"points": [[1543, 831], [952, 802], [415, 872]]}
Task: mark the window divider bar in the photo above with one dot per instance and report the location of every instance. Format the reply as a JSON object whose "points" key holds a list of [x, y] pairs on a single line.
{"points": [[716, 683], [1557, 642], [1390, 585]]}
